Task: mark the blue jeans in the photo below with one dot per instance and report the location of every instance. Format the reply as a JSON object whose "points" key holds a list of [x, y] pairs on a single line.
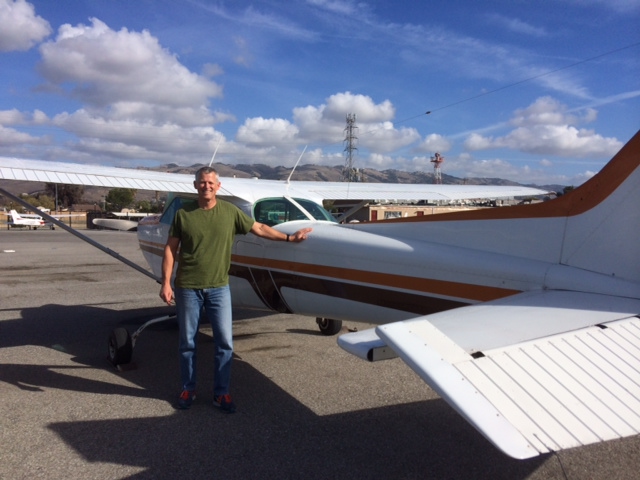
{"points": [[217, 308]]}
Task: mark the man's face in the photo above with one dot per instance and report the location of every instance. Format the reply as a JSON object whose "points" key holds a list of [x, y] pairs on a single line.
{"points": [[207, 185]]}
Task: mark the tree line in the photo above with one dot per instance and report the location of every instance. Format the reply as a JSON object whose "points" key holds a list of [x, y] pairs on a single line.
{"points": [[68, 195]]}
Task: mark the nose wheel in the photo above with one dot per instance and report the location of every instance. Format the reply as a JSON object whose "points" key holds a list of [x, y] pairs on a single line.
{"points": [[329, 326], [120, 347], [121, 342]]}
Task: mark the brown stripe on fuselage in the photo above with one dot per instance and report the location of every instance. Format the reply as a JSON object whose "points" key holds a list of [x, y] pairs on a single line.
{"points": [[465, 291], [268, 284], [153, 248]]}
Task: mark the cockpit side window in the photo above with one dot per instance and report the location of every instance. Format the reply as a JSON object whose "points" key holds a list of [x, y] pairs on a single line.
{"points": [[170, 211], [273, 211]]}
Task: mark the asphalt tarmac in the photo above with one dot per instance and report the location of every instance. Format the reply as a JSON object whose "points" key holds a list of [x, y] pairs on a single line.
{"points": [[306, 409]]}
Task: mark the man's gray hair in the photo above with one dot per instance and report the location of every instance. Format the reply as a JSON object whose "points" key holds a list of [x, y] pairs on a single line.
{"points": [[205, 170]]}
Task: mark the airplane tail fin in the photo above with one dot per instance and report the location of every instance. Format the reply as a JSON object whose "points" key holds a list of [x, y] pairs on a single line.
{"points": [[594, 227], [15, 216], [603, 218]]}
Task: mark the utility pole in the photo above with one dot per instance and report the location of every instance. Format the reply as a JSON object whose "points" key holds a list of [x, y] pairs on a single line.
{"points": [[350, 174]]}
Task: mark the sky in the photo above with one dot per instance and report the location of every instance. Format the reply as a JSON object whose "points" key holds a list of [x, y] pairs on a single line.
{"points": [[538, 92]]}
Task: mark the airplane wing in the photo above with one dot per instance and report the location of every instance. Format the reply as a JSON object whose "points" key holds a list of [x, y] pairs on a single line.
{"points": [[396, 192], [534, 373], [247, 189]]}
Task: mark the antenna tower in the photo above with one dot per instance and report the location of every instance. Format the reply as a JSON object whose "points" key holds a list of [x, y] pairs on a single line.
{"points": [[350, 174], [437, 160]]}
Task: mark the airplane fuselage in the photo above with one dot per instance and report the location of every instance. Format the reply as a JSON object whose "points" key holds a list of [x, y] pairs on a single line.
{"points": [[376, 273], [25, 220]]}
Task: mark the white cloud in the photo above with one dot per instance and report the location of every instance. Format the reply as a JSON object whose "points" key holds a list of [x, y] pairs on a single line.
{"points": [[466, 166], [20, 27], [105, 67], [385, 138], [475, 141], [580, 178], [144, 138], [15, 117], [211, 70], [11, 137], [139, 101], [267, 132], [619, 6], [517, 26], [366, 110], [434, 143], [11, 117], [325, 124], [379, 161], [315, 128], [546, 128], [544, 111], [563, 140], [252, 19], [162, 114], [339, 7], [243, 56]]}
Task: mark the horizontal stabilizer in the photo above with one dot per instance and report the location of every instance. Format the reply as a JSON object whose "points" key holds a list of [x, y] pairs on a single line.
{"points": [[366, 345], [116, 224], [566, 390]]}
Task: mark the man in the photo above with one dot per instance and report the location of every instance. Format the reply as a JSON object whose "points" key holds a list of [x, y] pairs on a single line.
{"points": [[201, 238]]}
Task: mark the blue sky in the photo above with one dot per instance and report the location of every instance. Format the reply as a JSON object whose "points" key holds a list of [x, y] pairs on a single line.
{"points": [[149, 82]]}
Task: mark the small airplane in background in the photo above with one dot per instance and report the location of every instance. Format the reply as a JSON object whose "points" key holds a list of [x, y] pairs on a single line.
{"points": [[525, 319], [17, 220], [28, 220]]}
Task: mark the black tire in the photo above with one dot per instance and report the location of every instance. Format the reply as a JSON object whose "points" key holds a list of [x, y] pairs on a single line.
{"points": [[329, 326], [120, 347]]}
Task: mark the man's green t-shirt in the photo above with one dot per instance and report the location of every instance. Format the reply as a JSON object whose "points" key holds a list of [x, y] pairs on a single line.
{"points": [[206, 238]]}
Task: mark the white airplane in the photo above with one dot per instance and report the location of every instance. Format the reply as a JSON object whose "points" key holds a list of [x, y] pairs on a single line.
{"points": [[26, 220], [35, 221], [524, 319]]}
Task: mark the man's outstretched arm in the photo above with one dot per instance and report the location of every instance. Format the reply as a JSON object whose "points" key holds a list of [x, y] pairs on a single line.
{"points": [[265, 231]]}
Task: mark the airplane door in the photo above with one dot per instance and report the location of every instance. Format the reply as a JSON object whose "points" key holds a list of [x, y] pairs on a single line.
{"points": [[253, 284]]}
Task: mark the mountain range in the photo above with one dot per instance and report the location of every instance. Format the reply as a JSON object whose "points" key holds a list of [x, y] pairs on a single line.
{"points": [[334, 174]]}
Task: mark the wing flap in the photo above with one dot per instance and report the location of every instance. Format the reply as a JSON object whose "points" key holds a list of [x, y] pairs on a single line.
{"points": [[435, 363], [562, 391]]}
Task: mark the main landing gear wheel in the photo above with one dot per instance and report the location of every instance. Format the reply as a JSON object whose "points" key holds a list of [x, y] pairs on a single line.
{"points": [[329, 326], [121, 342], [120, 347]]}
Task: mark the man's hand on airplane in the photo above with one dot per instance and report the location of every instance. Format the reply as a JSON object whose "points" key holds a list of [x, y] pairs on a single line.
{"points": [[300, 235], [265, 231]]}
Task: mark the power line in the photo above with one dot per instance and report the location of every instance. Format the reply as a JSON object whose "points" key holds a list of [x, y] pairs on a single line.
{"points": [[428, 112]]}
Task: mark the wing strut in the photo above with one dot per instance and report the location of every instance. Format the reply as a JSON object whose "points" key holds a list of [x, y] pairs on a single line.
{"points": [[81, 236]]}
